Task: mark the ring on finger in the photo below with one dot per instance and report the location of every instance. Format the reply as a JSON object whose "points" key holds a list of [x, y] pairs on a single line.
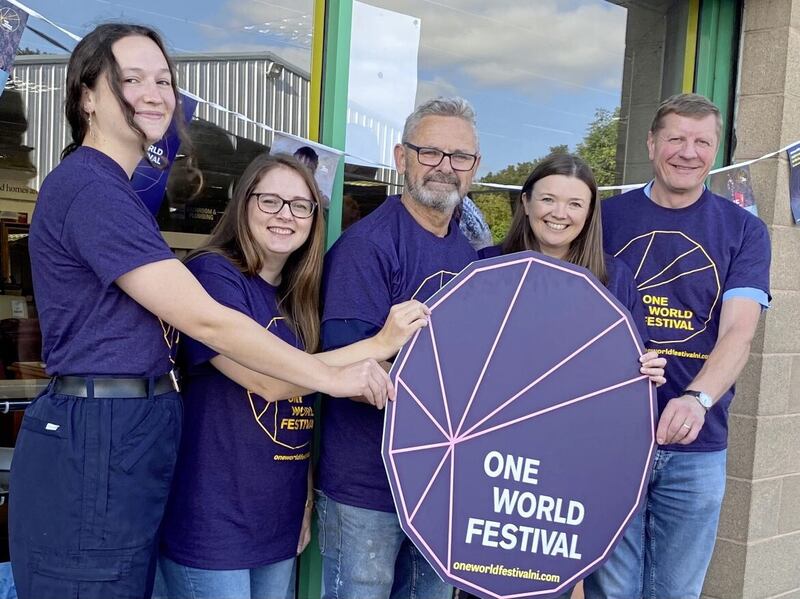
{"points": [[689, 426]]}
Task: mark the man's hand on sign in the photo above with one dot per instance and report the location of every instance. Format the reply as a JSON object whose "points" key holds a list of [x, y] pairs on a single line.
{"points": [[681, 421], [653, 367], [403, 321]]}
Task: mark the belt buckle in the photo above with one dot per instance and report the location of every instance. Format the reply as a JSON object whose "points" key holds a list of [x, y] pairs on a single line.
{"points": [[173, 377]]}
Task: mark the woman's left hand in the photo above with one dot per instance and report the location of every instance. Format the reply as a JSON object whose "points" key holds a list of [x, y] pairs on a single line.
{"points": [[305, 528], [653, 367]]}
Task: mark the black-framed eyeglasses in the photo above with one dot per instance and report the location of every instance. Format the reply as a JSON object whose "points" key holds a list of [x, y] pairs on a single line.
{"points": [[459, 161], [272, 203]]}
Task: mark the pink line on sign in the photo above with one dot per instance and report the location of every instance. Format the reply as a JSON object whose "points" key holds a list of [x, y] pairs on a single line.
{"points": [[430, 483], [422, 406], [494, 346], [496, 427], [450, 516], [441, 380], [476, 271], [420, 447], [544, 375], [408, 351]]}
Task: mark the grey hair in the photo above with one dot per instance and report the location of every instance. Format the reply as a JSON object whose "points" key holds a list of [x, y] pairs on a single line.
{"points": [[455, 107]]}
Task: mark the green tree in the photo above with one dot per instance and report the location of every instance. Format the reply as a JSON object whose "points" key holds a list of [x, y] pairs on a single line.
{"points": [[515, 174], [496, 208], [599, 146]]}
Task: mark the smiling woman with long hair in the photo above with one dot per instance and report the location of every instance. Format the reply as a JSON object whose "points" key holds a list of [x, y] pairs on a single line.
{"points": [[96, 453], [558, 214], [240, 506]]}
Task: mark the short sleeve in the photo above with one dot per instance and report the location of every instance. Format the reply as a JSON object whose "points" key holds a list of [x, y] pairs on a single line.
{"points": [[109, 230], [750, 266], [357, 282], [223, 282]]}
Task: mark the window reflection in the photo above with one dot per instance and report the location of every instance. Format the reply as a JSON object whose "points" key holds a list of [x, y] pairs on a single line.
{"points": [[248, 62], [580, 76]]}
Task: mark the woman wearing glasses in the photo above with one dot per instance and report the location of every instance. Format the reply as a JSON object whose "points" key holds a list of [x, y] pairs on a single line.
{"points": [[240, 507]]}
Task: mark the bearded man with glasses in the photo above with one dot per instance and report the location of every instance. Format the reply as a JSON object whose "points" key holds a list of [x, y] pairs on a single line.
{"points": [[407, 248]]}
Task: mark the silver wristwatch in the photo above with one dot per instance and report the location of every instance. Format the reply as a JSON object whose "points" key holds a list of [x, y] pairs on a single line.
{"points": [[704, 399]]}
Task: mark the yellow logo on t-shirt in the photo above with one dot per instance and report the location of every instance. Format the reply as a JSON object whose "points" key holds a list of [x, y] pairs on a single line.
{"points": [[283, 420], [678, 283]]}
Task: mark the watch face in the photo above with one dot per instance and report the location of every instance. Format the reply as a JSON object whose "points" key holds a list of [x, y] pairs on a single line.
{"points": [[705, 399]]}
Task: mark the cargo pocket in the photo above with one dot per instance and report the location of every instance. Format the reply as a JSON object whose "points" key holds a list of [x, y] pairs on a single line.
{"points": [[46, 478], [56, 576]]}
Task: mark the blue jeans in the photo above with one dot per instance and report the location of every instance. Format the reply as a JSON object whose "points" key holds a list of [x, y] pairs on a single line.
{"points": [[665, 552], [273, 581], [365, 554]]}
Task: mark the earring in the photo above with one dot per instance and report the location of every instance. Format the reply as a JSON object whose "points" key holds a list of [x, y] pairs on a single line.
{"points": [[90, 120]]}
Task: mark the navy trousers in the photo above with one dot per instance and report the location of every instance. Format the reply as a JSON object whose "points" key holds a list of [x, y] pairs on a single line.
{"points": [[89, 483]]}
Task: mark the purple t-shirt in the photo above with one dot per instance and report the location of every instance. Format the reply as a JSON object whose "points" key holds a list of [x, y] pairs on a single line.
{"points": [[620, 284], [241, 481], [383, 259], [89, 229], [684, 260]]}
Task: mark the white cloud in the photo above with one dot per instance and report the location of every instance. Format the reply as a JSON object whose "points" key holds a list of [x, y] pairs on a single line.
{"points": [[283, 25], [434, 88], [523, 44]]}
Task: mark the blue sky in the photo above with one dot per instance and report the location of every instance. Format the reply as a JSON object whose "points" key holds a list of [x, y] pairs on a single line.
{"points": [[535, 71]]}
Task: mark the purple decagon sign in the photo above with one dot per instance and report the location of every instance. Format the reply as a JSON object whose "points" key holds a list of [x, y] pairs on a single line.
{"points": [[521, 439]]}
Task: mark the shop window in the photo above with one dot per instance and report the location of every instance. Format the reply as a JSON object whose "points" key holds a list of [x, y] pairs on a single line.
{"points": [[582, 77]]}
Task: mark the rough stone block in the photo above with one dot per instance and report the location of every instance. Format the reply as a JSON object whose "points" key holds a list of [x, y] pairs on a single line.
{"points": [[756, 139], [794, 388], [781, 321], [770, 181], [766, 14], [748, 387], [725, 577], [790, 127], [772, 567], [741, 445], [792, 83], [776, 377], [764, 61], [777, 452], [785, 273], [789, 518]]}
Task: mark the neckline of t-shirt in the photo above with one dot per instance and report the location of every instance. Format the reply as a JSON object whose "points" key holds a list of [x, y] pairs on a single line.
{"points": [[262, 281], [108, 161], [685, 210], [411, 218]]}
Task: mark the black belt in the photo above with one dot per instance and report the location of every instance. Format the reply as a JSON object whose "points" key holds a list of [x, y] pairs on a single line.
{"points": [[109, 388]]}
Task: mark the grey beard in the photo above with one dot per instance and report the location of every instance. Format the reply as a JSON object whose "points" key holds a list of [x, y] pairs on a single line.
{"points": [[441, 201]]}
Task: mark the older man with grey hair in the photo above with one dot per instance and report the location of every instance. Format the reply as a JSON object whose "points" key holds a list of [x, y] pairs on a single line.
{"points": [[406, 249]]}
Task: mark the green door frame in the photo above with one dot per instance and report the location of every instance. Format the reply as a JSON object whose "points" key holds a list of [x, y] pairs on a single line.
{"points": [[335, 80], [330, 73], [715, 69]]}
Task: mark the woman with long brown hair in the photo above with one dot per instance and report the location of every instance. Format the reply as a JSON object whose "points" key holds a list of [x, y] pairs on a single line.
{"points": [[240, 506], [558, 214]]}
